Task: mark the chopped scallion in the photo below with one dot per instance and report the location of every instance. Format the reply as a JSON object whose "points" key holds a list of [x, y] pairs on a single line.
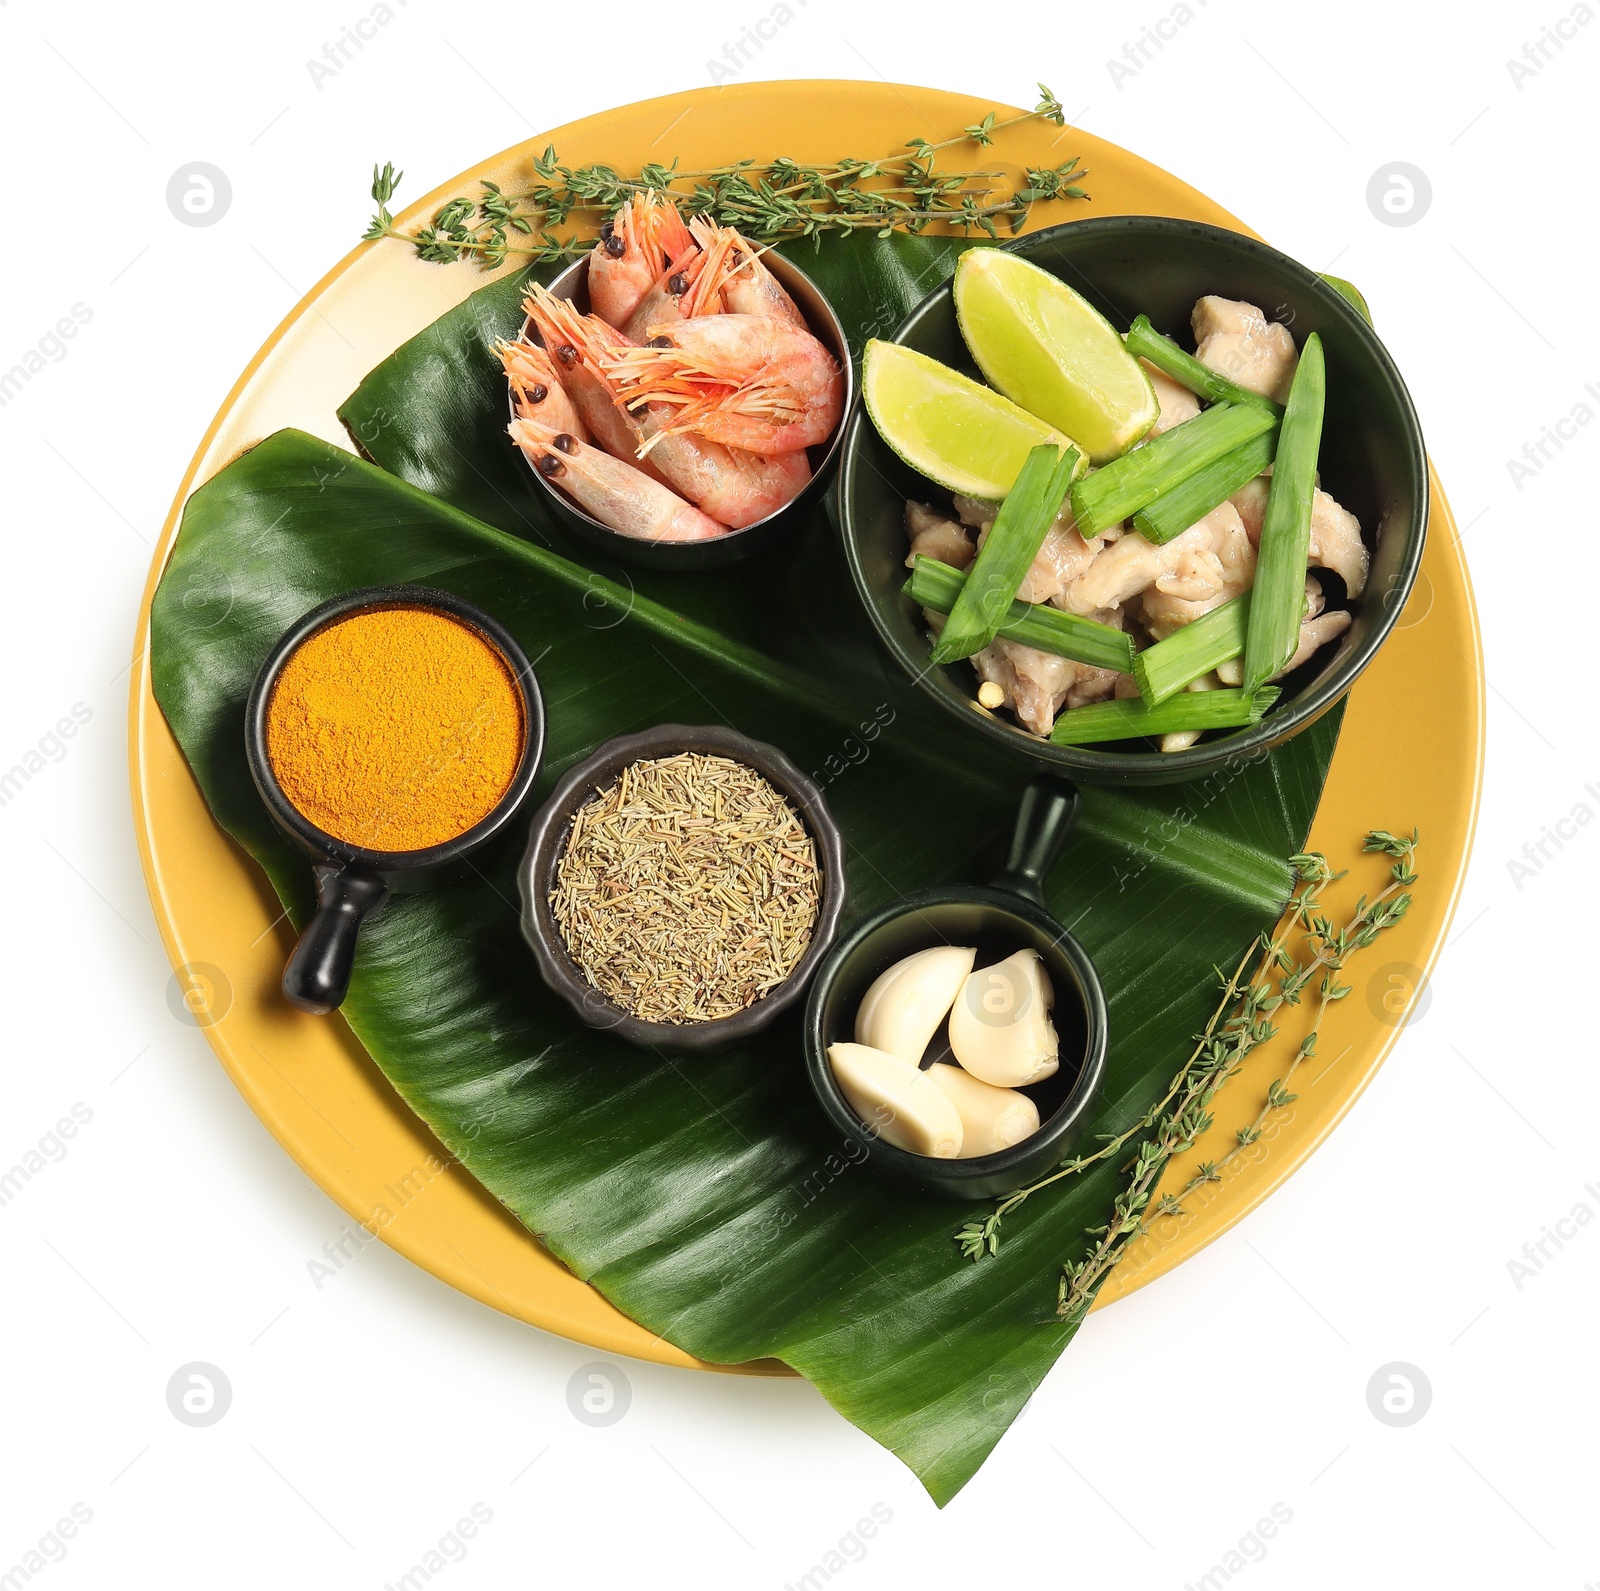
{"points": [[1145, 342], [1164, 669], [1191, 500], [936, 585], [1106, 497], [1027, 513], [1130, 719], [1278, 597]]}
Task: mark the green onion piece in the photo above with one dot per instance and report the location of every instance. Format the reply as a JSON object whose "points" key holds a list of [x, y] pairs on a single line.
{"points": [[1278, 596], [1106, 497], [1191, 500], [936, 585], [1145, 342], [1164, 669], [1009, 549], [1127, 720]]}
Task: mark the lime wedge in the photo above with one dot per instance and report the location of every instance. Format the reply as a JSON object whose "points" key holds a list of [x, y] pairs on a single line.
{"points": [[1053, 352], [948, 427]]}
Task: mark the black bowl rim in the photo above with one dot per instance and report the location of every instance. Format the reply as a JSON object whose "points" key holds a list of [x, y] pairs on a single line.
{"points": [[547, 834], [301, 829], [1285, 720], [1069, 1115], [561, 285]]}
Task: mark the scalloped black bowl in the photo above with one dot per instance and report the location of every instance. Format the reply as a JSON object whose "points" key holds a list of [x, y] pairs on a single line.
{"points": [[1372, 461], [548, 838]]}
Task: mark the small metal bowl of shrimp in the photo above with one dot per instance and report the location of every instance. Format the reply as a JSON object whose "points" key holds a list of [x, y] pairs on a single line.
{"points": [[679, 415]]}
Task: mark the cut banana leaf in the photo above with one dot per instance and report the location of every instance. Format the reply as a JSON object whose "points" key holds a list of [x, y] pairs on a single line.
{"points": [[707, 1198]]}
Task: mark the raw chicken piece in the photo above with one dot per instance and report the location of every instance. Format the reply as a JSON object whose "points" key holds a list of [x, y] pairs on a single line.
{"points": [[1224, 569], [1195, 566], [1236, 339], [1335, 532], [1251, 501], [1177, 403], [1062, 557], [934, 536], [1099, 685], [1315, 600], [975, 511], [1036, 684], [1315, 634], [1336, 543]]}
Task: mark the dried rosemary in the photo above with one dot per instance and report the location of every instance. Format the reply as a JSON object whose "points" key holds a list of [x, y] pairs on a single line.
{"points": [[785, 199], [688, 889], [1240, 1023]]}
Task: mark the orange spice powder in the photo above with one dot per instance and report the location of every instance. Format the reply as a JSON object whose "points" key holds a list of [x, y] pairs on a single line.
{"points": [[395, 728]]}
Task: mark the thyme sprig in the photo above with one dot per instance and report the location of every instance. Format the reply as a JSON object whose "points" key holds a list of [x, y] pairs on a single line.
{"points": [[1235, 1023], [786, 199], [1246, 1027], [1240, 1023]]}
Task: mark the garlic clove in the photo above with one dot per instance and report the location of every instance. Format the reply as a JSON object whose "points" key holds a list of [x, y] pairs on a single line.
{"points": [[991, 1118], [1000, 1028], [905, 1005], [902, 1105]]}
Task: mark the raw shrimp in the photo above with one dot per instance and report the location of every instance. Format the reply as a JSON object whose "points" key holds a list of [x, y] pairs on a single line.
{"points": [[565, 336], [732, 485], [634, 246], [616, 493], [536, 387], [673, 296], [743, 380], [733, 267]]}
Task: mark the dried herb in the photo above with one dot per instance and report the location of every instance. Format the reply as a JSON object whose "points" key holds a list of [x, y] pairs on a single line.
{"points": [[688, 888], [1240, 1023], [786, 199]]}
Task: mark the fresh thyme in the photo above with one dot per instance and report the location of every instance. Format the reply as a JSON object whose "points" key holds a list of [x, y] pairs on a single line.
{"points": [[1241, 1022], [786, 199]]}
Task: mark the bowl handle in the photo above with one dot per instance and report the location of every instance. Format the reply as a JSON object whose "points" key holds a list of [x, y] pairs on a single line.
{"points": [[317, 976], [1045, 816]]}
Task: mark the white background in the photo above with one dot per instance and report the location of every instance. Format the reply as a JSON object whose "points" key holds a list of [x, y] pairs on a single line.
{"points": [[369, 1416]]}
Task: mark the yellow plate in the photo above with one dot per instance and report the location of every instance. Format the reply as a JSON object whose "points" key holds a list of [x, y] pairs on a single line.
{"points": [[1410, 754]]}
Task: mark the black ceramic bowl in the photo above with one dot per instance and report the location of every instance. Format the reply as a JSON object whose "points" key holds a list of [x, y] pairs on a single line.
{"points": [[573, 285], [1372, 461], [1000, 919], [353, 881], [552, 824]]}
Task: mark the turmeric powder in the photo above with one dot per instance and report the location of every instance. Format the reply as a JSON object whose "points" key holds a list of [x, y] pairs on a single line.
{"points": [[395, 728]]}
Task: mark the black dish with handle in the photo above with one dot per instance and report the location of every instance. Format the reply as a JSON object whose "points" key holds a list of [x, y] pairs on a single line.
{"points": [[353, 881], [1004, 916]]}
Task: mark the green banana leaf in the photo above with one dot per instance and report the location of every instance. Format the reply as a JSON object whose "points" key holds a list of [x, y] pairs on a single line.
{"points": [[706, 1198]]}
